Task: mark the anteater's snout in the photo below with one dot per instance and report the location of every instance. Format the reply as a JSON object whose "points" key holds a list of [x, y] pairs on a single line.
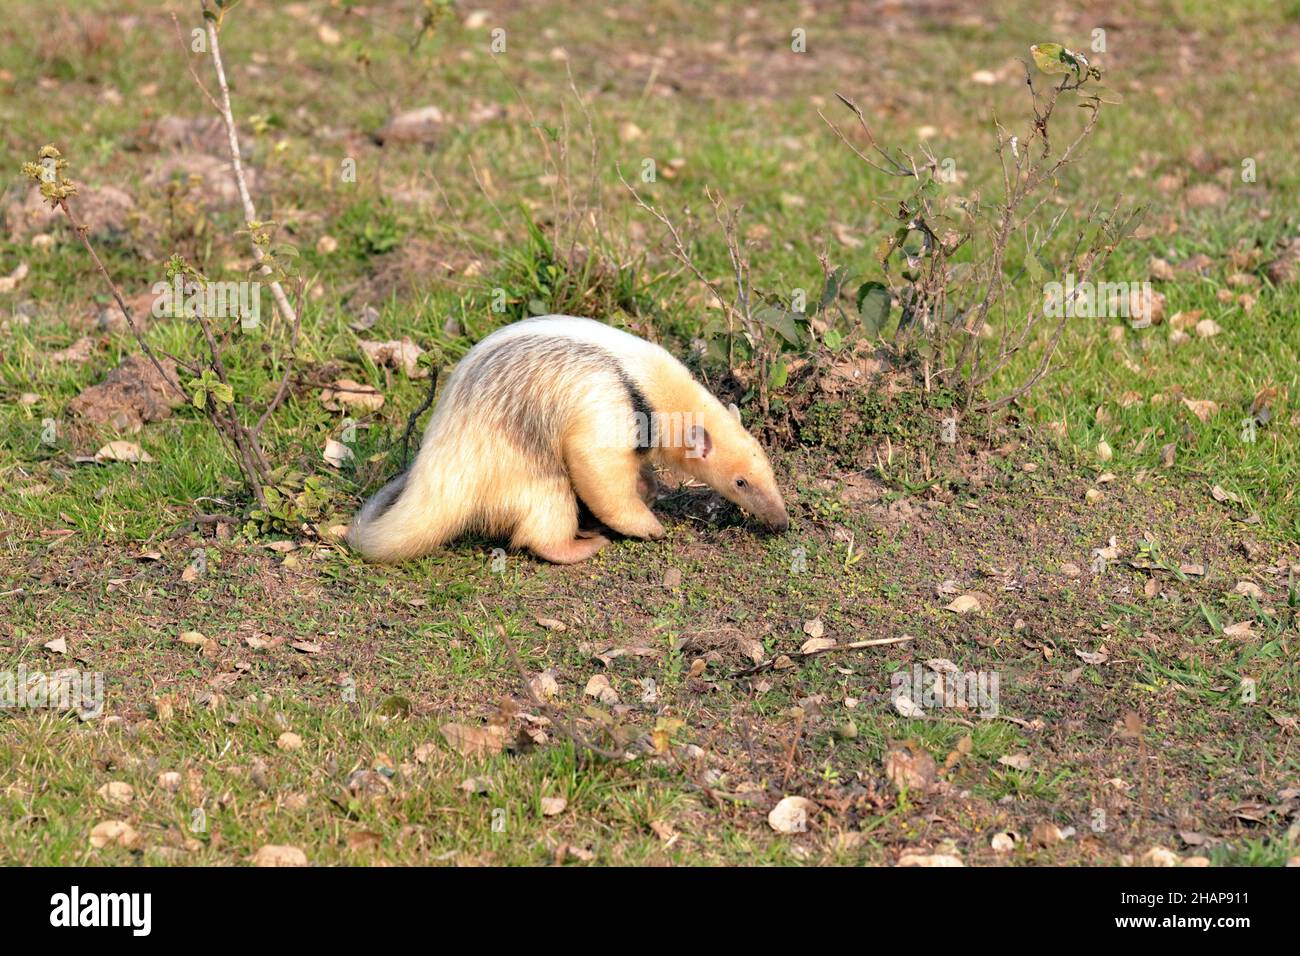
{"points": [[776, 518]]}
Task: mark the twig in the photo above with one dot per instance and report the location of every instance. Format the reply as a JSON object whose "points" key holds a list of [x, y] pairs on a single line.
{"points": [[550, 713], [801, 656], [237, 168], [201, 520], [415, 415], [898, 168], [190, 66], [117, 297], [679, 247], [794, 743]]}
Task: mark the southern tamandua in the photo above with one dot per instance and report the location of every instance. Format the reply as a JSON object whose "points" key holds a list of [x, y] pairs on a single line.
{"points": [[553, 406]]}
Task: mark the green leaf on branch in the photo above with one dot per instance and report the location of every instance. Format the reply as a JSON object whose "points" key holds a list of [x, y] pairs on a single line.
{"points": [[834, 283], [785, 324], [1054, 59], [873, 306], [207, 385], [779, 375]]}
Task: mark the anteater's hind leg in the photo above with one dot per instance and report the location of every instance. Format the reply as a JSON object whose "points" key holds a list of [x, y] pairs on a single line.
{"points": [[607, 481], [549, 526]]}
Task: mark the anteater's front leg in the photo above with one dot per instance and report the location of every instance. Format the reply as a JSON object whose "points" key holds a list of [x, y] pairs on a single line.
{"points": [[609, 481]]}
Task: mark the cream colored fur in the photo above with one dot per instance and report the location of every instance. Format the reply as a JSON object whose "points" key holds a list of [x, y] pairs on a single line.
{"points": [[518, 429]]}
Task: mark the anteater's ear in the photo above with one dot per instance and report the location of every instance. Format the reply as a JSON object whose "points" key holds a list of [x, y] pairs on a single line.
{"points": [[735, 412], [698, 443]]}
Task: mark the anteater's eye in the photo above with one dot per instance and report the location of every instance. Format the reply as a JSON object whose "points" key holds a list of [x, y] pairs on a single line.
{"points": [[740, 483]]}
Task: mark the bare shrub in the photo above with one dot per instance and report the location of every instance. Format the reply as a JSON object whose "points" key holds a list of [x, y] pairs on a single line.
{"points": [[953, 263]]}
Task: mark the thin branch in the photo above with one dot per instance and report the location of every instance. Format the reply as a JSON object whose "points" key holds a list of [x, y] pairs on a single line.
{"points": [[565, 728], [802, 656], [237, 167], [415, 415], [81, 231]]}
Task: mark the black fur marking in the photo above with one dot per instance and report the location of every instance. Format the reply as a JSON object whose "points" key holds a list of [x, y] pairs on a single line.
{"points": [[641, 409], [397, 486]]}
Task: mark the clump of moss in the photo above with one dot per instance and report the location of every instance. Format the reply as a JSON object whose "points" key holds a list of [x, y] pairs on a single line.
{"points": [[850, 428]]}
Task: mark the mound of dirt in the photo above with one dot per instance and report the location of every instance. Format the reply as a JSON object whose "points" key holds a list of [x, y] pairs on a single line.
{"points": [[132, 394], [210, 177], [110, 318], [408, 270], [182, 134], [106, 211]]}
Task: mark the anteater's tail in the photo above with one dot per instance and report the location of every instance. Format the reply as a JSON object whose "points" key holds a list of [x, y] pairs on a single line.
{"points": [[410, 516]]}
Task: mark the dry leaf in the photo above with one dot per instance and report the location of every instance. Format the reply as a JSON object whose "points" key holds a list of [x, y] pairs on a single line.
{"points": [[964, 604], [474, 741], [363, 840], [664, 831], [545, 685], [403, 354], [1218, 493], [117, 792], [1159, 856], [127, 451], [114, 833], [553, 806], [907, 707], [912, 858], [336, 453], [814, 644], [599, 688], [10, 282], [1046, 833], [350, 394], [1161, 270], [1110, 552], [195, 639], [911, 768], [272, 855], [792, 814]]}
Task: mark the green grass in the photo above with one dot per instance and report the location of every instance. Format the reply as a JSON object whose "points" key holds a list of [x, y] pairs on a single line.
{"points": [[425, 242]]}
